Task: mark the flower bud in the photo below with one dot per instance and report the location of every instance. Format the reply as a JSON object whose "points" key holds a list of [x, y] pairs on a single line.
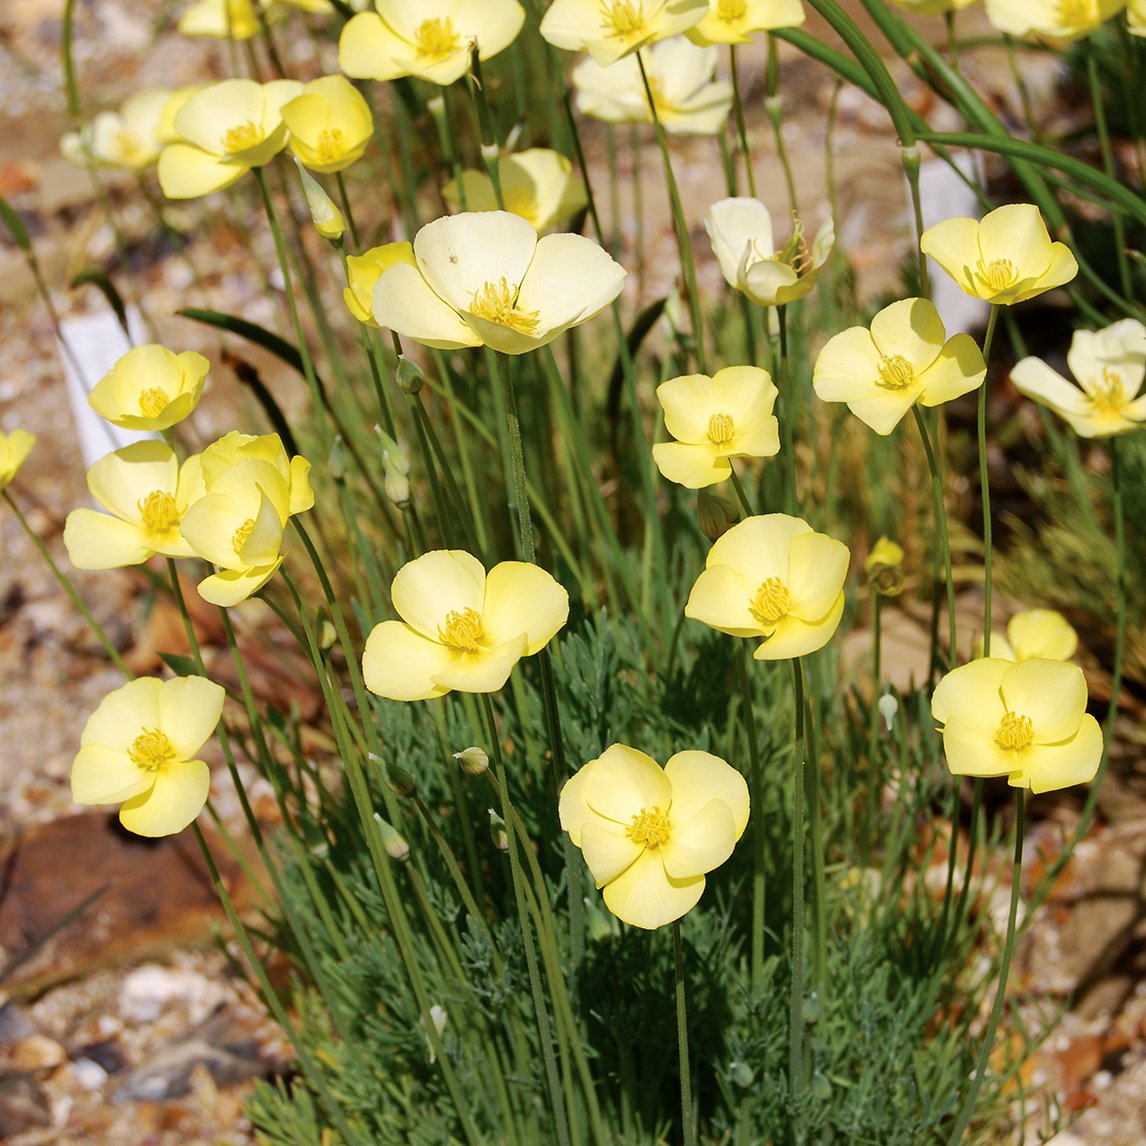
{"points": [[813, 1008], [400, 781], [821, 1087], [395, 468], [741, 1074], [497, 832], [888, 706], [714, 514], [474, 761], [393, 843], [409, 375], [325, 216], [884, 568]]}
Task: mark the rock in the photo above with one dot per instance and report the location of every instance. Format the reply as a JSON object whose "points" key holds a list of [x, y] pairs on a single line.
{"points": [[23, 1105], [37, 1053]]}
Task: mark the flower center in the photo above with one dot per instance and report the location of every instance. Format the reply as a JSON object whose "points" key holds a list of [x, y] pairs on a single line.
{"points": [[496, 302], [436, 39], [153, 402], [129, 148], [462, 630], [650, 828], [1016, 731], [329, 144], [1078, 14], [242, 136], [623, 18], [151, 750], [997, 275], [721, 429], [795, 253], [771, 602], [730, 11], [158, 512], [895, 372], [1108, 395], [242, 535]]}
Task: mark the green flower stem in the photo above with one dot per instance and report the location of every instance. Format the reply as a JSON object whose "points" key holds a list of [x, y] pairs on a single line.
{"points": [[952, 37], [968, 1107], [874, 757], [1117, 224], [69, 588], [775, 110], [449, 138], [1023, 90], [796, 1060], [759, 828], [688, 265], [741, 496], [741, 126], [910, 159], [942, 534], [560, 1114], [489, 144], [347, 213], [688, 1115], [790, 412], [527, 546], [816, 839], [985, 485]]}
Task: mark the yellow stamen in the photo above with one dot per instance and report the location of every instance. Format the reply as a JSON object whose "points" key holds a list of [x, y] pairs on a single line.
{"points": [[242, 535], [241, 137], [153, 402], [895, 373], [496, 302], [329, 144], [151, 750], [1078, 14], [771, 602], [158, 512], [721, 429], [730, 11], [1016, 731], [1108, 393], [623, 19], [650, 828], [997, 275], [436, 39], [462, 631]]}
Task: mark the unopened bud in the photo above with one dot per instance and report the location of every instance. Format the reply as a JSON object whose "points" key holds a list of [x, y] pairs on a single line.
{"points": [[393, 843], [400, 781], [714, 514], [884, 568], [497, 832], [813, 1009], [395, 468], [327, 634], [474, 761], [336, 459], [325, 216], [888, 706], [741, 1074], [409, 375], [821, 1086]]}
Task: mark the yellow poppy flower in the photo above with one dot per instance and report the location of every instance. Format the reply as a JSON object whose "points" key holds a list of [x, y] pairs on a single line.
{"points": [[128, 138], [734, 21], [364, 270], [226, 129], [485, 277], [1061, 19], [431, 42], [148, 494], [1110, 365], [221, 20], [537, 184], [713, 420], [773, 577], [649, 835], [740, 230], [610, 29], [329, 124], [14, 450], [1033, 633], [1004, 258], [235, 447], [1136, 17], [906, 357], [1026, 721], [884, 567], [150, 388], [138, 748], [461, 628], [687, 97]]}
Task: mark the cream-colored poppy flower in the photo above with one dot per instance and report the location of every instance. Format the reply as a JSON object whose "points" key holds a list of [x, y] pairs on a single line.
{"points": [[485, 277], [236, 447], [1110, 365], [740, 230], [431, 39], [610, 29], [1026, 721], [1004, 258], [128, 138], [537, 184], [1060, 19], [329, 124], [884, 567], [650, 835], [226, 129], [1044, 633], [14, 450], [147, 493], [1136, 17], [906, 357], [713, 420], [461, 628], [364, 270], [222, 19], [175, 101], [688, 100], [150, 388], [138, 749], [773, 577], [734, 21]]}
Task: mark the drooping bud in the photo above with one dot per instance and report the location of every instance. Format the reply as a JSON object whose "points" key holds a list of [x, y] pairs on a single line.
{"points": [[888, 706], [497, 832], [395, 470], [473, 761], [326, 217], [409, 375], [714, 514], [400, 781], [884, 568], [393, 843]]}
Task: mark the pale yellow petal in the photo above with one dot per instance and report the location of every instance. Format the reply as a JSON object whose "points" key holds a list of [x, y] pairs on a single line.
{"points": [[187, 172], [1042, 633], [1051, 693], [98, 541], [123, 714], [189, 712], [957, 370], [688, 402], [607, 849], [793, 637], [758, 546], [177, 797], [569, 280], [1016, 232], [910, 328], [398, 663], [487, 670], [971, 691], [231, 586], [522, 598], [693, 466], [954, 245], [573, 805], [734, 224], [971, 750], [701, 842], [106, 776], [720, 598], [443, 581], [1049, 767], [624, 781], [405, 303], [817, 567], [698, 777], [645, 895], [120, 480]]}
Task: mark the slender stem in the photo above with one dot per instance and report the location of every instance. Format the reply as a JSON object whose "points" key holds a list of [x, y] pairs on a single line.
{"points": [[789, 411], [941, 531], [526, 543], [741, 126], [910, 159], [688, 1116], [741, 496], [775, 110], [1117, 223], [873, 754], [69, 588], [985, 485], [759, 836], [968, 1107], [687, 263], [816, 838], [796, 1064], [344, 200]]}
